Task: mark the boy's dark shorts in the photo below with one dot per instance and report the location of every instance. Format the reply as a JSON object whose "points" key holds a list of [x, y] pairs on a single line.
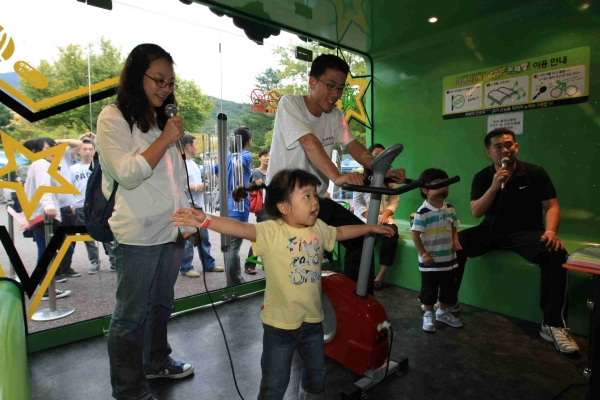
{"points": [[442, 282]]}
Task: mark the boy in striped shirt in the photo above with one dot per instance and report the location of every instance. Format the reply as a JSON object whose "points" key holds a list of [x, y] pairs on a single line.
{"points": [[436, 239]]}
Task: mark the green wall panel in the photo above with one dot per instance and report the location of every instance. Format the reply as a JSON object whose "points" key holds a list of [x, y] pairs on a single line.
{"points": [[565, 140]]}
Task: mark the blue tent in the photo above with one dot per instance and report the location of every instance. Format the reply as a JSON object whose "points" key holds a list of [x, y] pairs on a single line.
{"points": [[21, 160]]}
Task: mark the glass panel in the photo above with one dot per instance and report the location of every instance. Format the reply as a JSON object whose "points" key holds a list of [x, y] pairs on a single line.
{"points": [[218, 69]]}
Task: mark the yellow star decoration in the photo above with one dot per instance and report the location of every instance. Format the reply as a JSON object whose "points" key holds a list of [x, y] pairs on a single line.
{"points": [[349, 11], [35, 301], [29, 205], [358, 110]]}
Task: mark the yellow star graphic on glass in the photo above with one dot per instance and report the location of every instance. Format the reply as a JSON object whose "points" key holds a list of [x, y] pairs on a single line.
{"points": [[358, 110], [349, 11], [29, 205]]}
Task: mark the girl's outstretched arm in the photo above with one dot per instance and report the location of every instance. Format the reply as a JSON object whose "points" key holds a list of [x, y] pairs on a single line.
{"points": [[227, 226], [352, 231]]}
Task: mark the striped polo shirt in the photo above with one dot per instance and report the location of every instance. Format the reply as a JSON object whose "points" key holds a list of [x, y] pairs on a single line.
{"points": [[435, 225]]}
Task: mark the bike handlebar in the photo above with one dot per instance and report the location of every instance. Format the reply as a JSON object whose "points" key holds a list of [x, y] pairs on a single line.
{"points": [[410, 185]]}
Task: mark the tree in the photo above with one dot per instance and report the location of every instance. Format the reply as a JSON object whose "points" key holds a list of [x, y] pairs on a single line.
{"points": [[194, 106], [70, 72], [259, 124], [268, 80], [294, 72], [5, 116]]}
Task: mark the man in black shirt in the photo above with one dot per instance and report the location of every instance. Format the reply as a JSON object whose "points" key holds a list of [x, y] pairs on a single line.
{"points": [[512, 196]]}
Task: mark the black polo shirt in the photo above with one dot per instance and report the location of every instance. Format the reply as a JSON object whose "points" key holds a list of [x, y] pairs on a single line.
{"points": [[519, 208]]}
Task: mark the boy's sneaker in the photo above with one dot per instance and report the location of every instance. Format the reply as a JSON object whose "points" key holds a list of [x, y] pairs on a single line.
{"points": [[59, 294], [454, 308], [71, 272], [59, 278], [561, 337], [428, 321], [174, 371], [447, 318], [95, 269], [435, 307]]}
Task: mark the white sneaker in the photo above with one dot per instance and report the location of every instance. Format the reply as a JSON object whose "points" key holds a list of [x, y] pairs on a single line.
{"points": [[561, 337], [429, 321]]}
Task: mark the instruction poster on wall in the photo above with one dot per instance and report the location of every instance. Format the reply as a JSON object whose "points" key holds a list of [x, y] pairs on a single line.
{"points": [[546, 81], [512, 121]]}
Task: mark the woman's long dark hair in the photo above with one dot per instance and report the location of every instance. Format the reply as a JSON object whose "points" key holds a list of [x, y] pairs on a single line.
{"points": [[280, 188], [131, 98]]}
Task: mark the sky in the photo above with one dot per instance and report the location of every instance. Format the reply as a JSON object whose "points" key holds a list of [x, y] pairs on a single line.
{"points": [[191, 33]]}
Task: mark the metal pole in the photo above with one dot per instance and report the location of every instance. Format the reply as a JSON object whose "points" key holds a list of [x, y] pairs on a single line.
{"points": [[53, 312], [48, 233], [223, 184], [379, 166]]}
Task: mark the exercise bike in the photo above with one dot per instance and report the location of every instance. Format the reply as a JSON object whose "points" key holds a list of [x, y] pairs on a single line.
{"points": [[356, 329]]}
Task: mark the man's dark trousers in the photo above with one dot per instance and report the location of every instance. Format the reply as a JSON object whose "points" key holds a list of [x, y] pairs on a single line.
{"points": [[479, 240]]}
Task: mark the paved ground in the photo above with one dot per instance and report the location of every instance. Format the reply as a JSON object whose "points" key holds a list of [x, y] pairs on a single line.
{"points": [[93, 295]]}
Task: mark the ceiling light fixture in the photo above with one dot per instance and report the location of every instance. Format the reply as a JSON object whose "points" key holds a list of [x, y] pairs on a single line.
{"points": [[433, 20]]}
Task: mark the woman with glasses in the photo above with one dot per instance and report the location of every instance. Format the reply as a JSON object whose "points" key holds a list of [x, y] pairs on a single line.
{"points": [[136, 143]]}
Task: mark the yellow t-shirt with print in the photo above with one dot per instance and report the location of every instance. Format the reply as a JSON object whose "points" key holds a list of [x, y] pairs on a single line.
{"points": [[292, 261]]}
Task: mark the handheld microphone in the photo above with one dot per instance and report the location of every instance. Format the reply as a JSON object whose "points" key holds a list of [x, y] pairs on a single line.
{"points": [[171, 111], [504, 162]]}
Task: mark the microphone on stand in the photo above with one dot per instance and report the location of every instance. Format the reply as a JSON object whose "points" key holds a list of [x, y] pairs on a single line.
{"points": [[504, 162], [171, 111]]}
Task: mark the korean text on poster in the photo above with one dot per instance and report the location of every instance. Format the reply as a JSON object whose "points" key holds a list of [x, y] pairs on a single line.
{"points": [[545, 81]]}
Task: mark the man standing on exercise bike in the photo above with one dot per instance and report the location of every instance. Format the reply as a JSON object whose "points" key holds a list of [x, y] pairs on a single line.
{"points": [[306, 128]]}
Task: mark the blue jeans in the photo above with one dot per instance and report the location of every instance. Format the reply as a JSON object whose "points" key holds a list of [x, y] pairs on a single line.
{"points": [[234, 270], [203, 250], [39, 236], [137, 336], [68, 218], [90, 246], [276, 361]]}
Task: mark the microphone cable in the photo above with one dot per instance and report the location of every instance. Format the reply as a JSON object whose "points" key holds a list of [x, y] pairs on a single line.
{"points": [[203, 262]]}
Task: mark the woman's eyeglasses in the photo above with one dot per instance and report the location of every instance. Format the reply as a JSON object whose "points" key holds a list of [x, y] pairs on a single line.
{"points": [[162, 84]]}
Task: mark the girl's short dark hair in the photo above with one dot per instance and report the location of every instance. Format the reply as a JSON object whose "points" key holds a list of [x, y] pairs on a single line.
{"points": [[280, 188], [131, 98], [430, 175]]}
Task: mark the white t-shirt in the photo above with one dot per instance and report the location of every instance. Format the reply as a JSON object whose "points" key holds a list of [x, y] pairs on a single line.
{"points": [[146, 197], [292, 121], [80, 174], [195, 176], [65, 200], [37, 176]]}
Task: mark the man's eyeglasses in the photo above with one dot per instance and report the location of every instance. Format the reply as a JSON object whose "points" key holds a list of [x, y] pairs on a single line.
{"points": [[162, 84], [331, 87]]}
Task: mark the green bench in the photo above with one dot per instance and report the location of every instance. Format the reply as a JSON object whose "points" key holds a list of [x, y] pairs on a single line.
{"points": [[499, 281]]}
